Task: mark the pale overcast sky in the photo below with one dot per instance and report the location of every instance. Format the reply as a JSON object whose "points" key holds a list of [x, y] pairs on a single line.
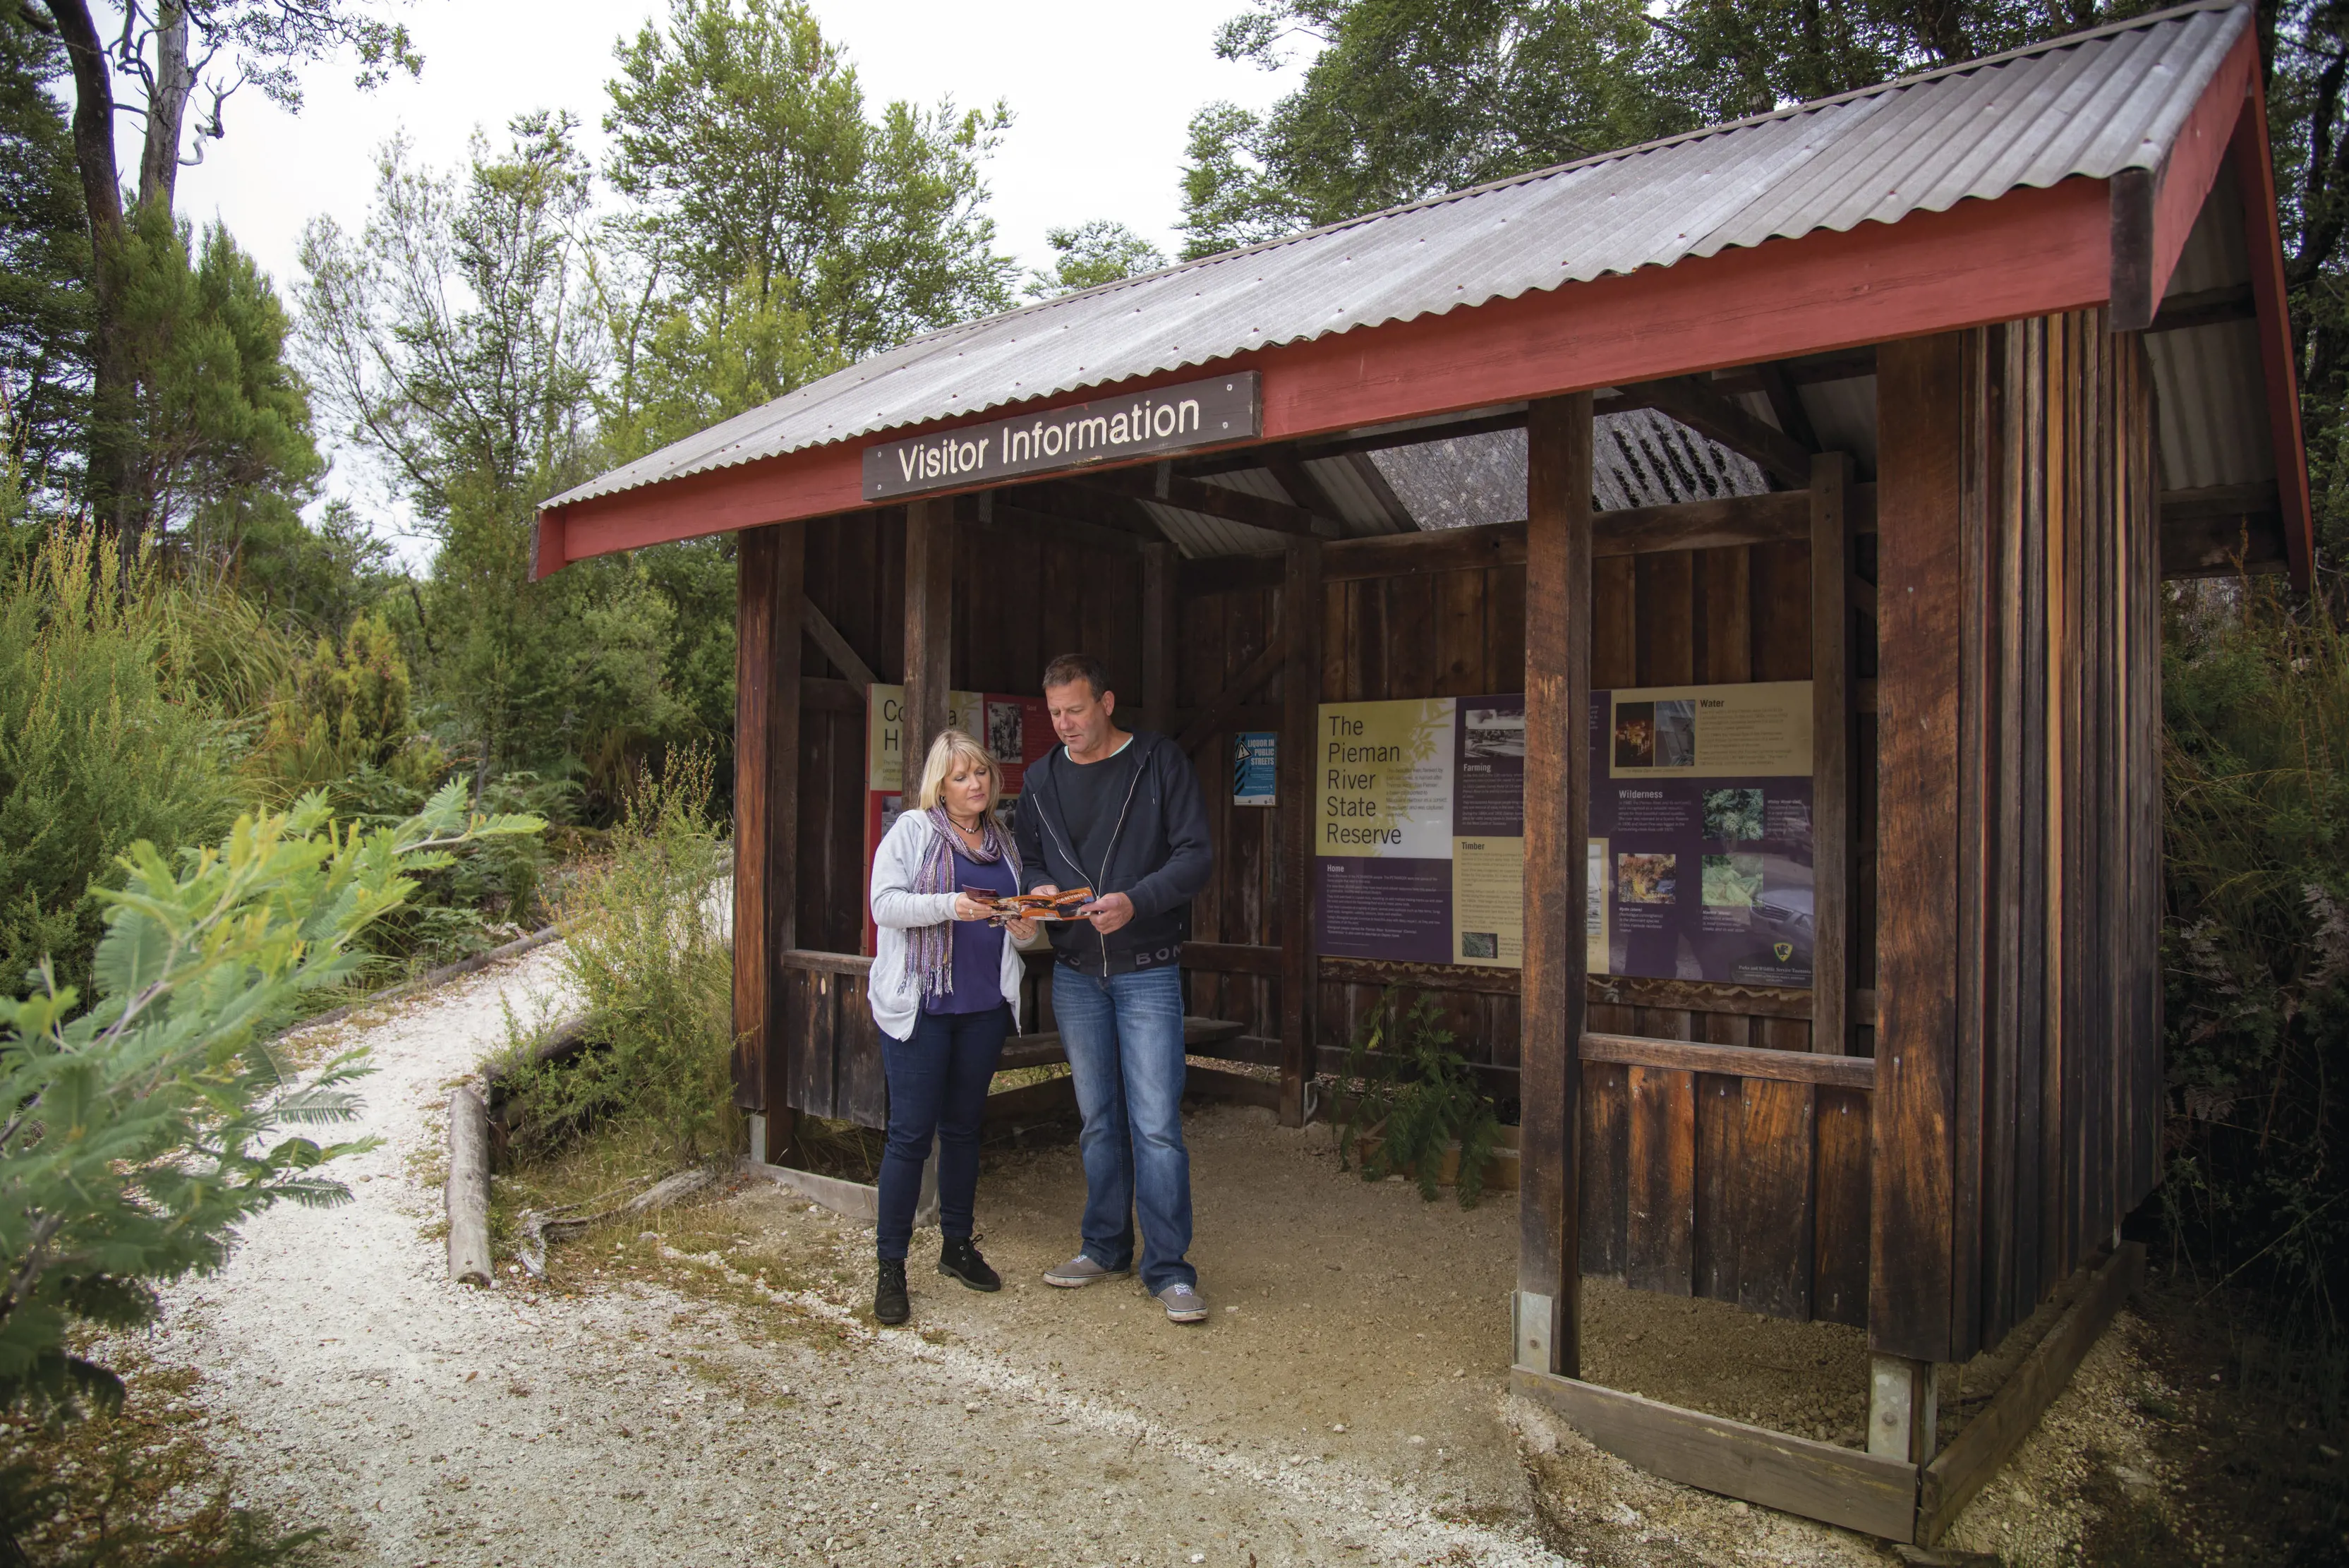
{"points": [[1099, 94]]}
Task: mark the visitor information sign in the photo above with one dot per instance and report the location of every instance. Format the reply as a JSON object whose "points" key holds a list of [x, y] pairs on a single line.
{"points": [[1700, 854], [1419, 838], [1701, 833], [1015, 731]]}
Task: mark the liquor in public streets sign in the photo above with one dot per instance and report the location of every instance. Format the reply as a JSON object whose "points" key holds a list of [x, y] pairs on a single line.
{"points": [[1211, 412]]}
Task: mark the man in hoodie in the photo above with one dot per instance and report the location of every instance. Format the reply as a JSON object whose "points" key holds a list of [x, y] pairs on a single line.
{"points": [[1120, 813]]}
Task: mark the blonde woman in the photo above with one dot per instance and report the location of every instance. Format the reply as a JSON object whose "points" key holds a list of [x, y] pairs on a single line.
{"points": [[945, 991]]}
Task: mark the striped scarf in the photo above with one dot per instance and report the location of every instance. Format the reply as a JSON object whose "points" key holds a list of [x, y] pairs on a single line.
{"points": [[930, 949]]}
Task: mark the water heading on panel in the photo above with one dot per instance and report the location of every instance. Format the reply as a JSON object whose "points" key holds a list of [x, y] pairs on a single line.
{"points": [[1213, 412]]}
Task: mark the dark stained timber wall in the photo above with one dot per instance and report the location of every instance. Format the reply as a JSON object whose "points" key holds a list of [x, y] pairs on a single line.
{"points": [[2020, 1054], [2015, 962]]}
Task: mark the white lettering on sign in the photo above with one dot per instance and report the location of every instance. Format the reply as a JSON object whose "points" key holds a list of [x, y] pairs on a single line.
{"points": [[1167, 419]]}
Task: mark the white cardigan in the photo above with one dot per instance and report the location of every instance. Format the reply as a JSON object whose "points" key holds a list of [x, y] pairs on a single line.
{"points": [[895, 997]]}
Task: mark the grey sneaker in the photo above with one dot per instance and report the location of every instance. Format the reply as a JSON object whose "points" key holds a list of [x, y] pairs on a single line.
{"points": [[1183, 1304], [1078, 1272]]}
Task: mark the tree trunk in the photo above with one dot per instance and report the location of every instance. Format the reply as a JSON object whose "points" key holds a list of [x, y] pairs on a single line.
{"points": [[112, 430], [167, 111]]}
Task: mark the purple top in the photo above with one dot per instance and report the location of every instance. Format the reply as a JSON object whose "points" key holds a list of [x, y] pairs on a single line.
{"points": [[977, 944]]}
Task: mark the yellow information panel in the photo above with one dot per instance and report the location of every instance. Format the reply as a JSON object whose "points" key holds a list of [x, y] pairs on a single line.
{"points": [[1418, 832]]}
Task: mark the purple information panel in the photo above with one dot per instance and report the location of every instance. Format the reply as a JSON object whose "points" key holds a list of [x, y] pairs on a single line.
{"points": [[1701, 833]]}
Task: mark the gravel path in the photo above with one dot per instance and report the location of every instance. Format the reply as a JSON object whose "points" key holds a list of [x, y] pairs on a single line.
{"points": [[353, 1388]]}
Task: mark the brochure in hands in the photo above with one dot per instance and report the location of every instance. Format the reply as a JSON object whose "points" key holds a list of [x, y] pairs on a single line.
{"points": [[1060, 906]]}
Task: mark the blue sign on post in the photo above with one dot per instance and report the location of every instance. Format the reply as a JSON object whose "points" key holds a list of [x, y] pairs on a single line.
{"points": [[1252, 767]]}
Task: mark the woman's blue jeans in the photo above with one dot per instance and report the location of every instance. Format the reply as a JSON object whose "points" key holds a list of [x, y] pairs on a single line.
{"points": [[938, 1088], [1124, 1039]]}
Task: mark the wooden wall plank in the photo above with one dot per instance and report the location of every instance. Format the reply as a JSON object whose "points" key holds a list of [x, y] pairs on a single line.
{"points": [[1720, 1156], [1659, 1180], [1557, 817], [1840, 1211], [1771, 1208], [1606, 1144], [1919, 389], [1666, 619]]}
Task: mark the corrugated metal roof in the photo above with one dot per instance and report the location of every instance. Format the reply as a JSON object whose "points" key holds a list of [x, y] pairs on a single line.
{"points": [[2091, 105]]}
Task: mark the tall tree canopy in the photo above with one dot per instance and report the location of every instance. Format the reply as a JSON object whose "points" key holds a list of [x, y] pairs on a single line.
{"points": [[173, 55], [779, 229], [44, 261]]}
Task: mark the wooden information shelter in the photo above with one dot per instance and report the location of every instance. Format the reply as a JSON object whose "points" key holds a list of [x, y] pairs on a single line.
{"points": [[1916, 395]]}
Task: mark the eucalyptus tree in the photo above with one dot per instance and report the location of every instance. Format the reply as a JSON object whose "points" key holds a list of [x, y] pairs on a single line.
{"points": [[1091, 255]]}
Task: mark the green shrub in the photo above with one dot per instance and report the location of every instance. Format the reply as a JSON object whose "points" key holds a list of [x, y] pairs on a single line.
{"points": [[142, 1130], [1406, 1085], [2256, 941], [102, 743], [647, 947]]}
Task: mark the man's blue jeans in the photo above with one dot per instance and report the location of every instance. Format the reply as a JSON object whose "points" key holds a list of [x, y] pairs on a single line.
{"points": [[1125, 1039]]}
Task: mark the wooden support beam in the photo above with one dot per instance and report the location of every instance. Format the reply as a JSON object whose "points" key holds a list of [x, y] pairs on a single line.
{"points": [[1719, 523], [1558, 824], [1798, 1475], [1830, 753], [1414, 433], [1273, 659], [1082, 504], [2221, 530], [770, 574], [835, 646], [1733, 1060], [1300, 700], [1786, 405], [1160, 633], [1920, 421], [2206, 307], [1305, 492], [1070, 531], [929, 626], [1710, 413], [1156, 482]]}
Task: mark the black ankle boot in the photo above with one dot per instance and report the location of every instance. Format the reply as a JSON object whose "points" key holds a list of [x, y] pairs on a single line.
{"points": [[959, 1259], [889, 1302]]}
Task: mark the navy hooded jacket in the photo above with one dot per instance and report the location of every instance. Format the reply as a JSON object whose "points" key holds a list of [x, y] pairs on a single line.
{"points": [[1158, 857]]}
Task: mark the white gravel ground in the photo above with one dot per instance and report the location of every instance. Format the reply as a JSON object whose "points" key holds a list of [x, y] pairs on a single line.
{"points": [[352, 1386]]}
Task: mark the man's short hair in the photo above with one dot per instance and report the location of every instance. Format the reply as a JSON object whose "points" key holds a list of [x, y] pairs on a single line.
{"points": [[1070, 668]]}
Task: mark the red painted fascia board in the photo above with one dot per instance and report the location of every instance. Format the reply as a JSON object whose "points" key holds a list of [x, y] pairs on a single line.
{"points": [[2255, 180], [2029, 253], [2203, 143]]}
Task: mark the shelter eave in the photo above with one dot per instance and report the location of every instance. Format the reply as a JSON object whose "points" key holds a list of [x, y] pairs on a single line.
{"points": [[2030, 252]]}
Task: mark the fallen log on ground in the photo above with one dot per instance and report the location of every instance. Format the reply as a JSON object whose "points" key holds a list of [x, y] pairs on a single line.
{"points": [[561, 1224], [468, 1191]]}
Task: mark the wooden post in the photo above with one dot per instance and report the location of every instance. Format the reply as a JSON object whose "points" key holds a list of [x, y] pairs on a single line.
{"points": [[929, 627], [771, 569], [1830, 753], [1159, 564], [1920, 420], [1903, 1409], [1557, 829], [1300, 705]]}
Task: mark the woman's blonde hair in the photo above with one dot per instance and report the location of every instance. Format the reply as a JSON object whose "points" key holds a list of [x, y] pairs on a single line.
{"points": [[951, 746]]}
